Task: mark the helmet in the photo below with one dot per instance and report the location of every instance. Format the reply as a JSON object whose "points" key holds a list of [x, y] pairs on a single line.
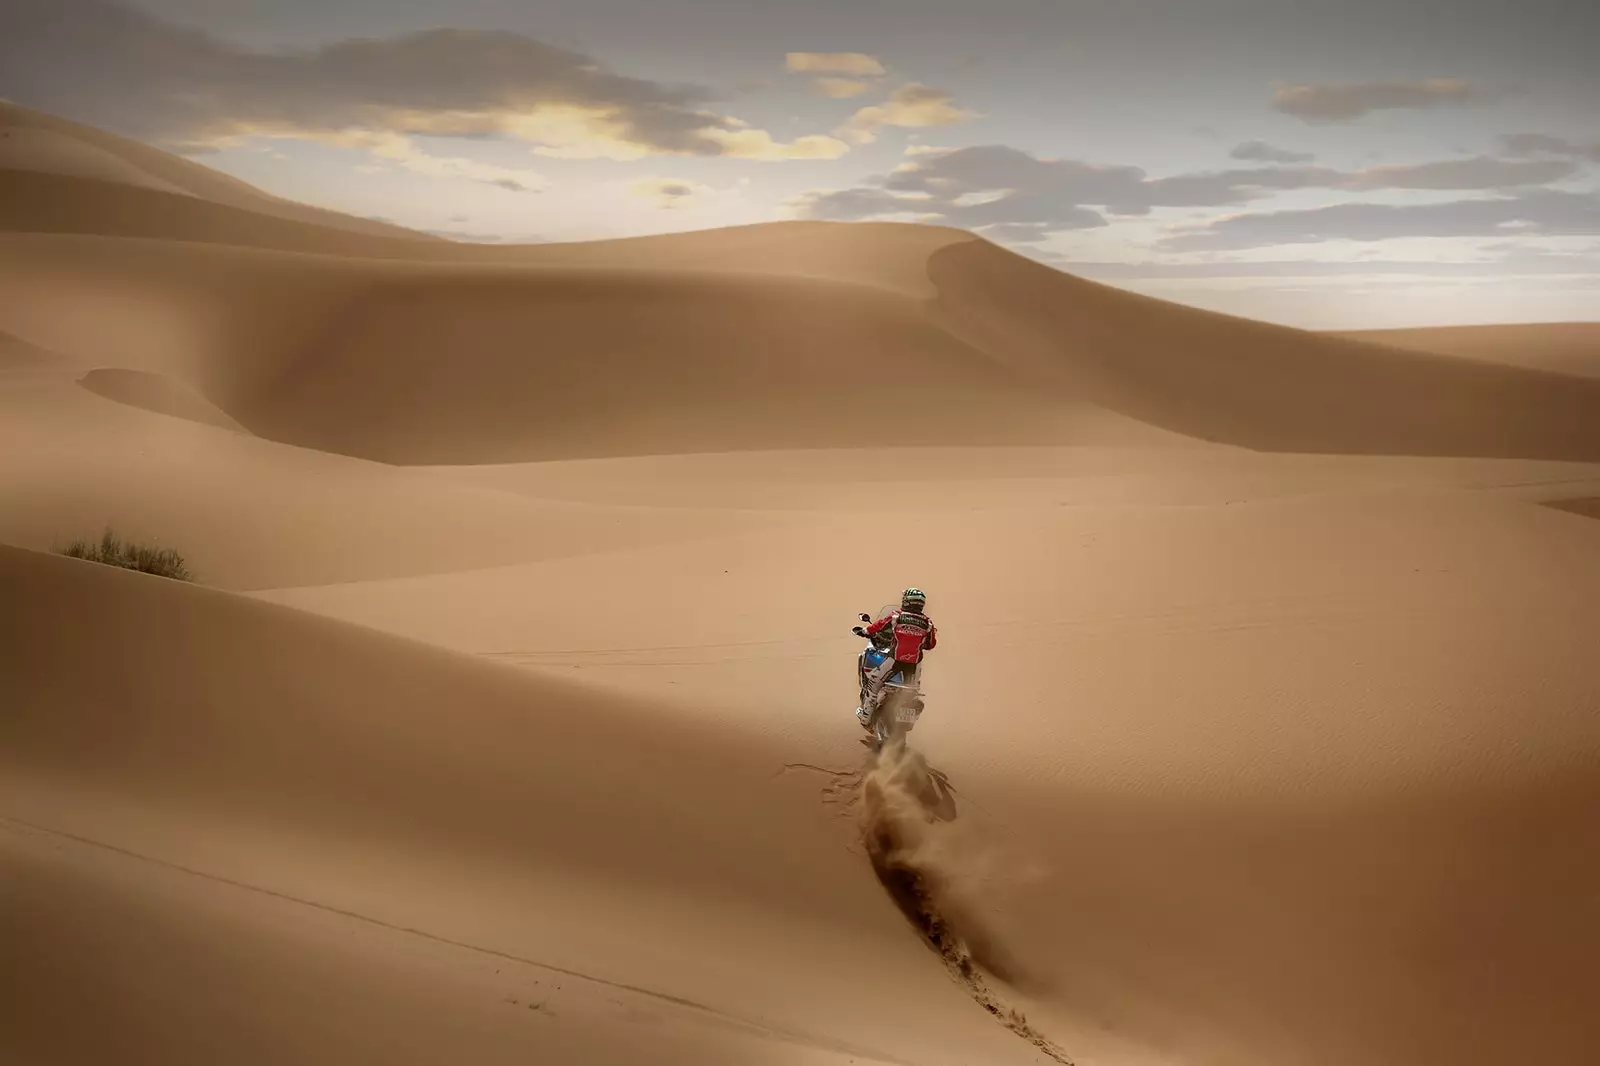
{"points": [[913, 600]]}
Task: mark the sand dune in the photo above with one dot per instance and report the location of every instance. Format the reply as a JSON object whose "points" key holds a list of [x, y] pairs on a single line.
{"points": [[439, 363], [251, 513], [1564, 347], [418, 363], [55, 203], [460, 354], [491, 369], [155, 393], [515, 722], [18, 354], [1583, 505], [1250, 383], [580, 841], [1280, 733], [430, 363]]}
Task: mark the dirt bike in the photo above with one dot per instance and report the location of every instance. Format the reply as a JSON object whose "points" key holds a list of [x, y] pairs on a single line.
{"points": [[894, 707]]}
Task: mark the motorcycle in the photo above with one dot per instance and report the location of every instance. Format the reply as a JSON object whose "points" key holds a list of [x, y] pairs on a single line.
{"points": [[893, 709]]}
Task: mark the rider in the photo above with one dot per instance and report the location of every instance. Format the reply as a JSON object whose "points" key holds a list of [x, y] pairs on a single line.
{"points": [[914, 633]]}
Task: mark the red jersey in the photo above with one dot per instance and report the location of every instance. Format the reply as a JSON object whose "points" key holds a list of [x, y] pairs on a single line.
{"points": [[913, 633]]}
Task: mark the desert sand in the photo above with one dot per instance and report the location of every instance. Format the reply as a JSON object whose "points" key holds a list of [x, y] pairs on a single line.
{"points": [[1565, 347], [509, 718]]}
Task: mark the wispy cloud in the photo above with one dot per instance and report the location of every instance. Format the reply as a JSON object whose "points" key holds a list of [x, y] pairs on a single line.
{"points": [[855, 64], [1542, 212], [119, 67], [1532, 145], [1342, 103], [403, 152], [1027, 198], [1477, 172], [840, 88], [1262, 152], [838, 75], [910, 106]]}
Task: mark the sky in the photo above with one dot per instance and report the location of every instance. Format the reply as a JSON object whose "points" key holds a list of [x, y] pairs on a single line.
{"points": [[1331, 165]]}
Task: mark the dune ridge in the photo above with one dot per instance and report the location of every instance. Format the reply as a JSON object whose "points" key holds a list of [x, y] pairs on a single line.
{"points": [[155, 393], [1563, 347], [496, 363], [47, 155]]}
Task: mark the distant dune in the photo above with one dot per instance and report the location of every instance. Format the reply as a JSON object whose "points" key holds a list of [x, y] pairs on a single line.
{"points": [[1563, 347], [510, 719]]}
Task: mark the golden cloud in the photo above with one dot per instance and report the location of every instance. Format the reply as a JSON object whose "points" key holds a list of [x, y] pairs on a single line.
{"points": [[912, 105], [1342, 103], [401, 151], [559, 131], [840, 88], [855, 64], [759, 145], [184, 87]]}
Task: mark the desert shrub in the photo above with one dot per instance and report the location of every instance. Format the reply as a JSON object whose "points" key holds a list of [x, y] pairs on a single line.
{"points": [[114, 551]]}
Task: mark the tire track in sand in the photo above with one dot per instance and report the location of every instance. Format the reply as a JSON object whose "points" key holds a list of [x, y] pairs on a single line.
{"points": [[899, 798]]}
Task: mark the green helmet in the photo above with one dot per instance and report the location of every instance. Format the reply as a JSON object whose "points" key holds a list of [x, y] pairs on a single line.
{"points": [[913, 600]]}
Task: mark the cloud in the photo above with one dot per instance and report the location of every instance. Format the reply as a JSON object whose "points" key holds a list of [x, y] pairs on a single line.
{"points": [[1024, 197], [850, 205], [840, 88], [855, 64], [404, 153], [1529, 145], [1220, 188], [669, 193], [1535, 212], [126, 70], [910, 106], [1478, 172], [1342, 103], [1262, 152], [842, 74], [759, 145]]}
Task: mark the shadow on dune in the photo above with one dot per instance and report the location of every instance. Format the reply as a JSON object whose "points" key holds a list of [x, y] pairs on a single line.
{"points": [[1587, 506], [155, 392], [18, 354]]}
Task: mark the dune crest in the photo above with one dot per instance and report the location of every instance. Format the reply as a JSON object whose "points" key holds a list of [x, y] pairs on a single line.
{"points": [[1562, 347], [157, 393]]}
